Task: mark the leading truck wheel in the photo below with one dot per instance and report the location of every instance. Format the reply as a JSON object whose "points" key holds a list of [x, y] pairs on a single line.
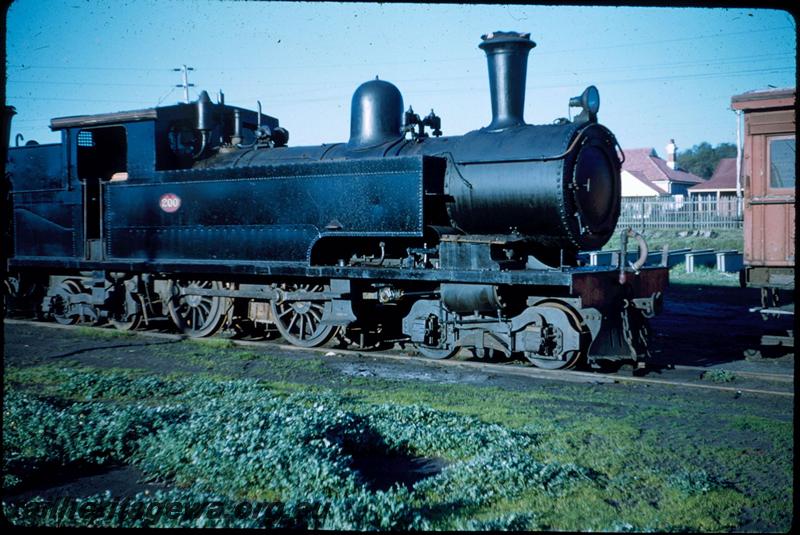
{"points": [[130, 324], [437, 333], [362, 337], [59, 304], [126, 316], [300, 322], [427, 325], [569, 355], [436, 353], [197, 315]]}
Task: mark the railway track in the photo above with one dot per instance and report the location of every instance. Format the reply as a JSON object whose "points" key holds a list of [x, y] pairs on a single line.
{"points": [[684, 376]]}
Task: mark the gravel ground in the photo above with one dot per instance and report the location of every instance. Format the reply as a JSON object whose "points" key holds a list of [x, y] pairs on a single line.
{"points": [[712, 326]]}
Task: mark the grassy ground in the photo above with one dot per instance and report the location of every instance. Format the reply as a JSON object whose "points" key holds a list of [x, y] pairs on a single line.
{"points": [[559, 456], [702, 275], [720, 239]]}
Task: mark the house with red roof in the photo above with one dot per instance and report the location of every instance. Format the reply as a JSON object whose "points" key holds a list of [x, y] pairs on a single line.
{"points": [[645, 174], [719, 192]]}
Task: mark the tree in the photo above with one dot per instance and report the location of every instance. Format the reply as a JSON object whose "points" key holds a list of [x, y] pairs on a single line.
{"points": [[702, 159]]}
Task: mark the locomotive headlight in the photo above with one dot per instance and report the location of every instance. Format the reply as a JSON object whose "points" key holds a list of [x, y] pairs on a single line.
{"points": [[589, 100]]}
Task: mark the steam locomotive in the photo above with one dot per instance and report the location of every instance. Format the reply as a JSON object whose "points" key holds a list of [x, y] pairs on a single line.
{"points": [[200, 212]]}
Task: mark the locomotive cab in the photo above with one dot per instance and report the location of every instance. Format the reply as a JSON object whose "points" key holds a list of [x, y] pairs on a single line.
{"points": [[165, 138], [60, 190]]}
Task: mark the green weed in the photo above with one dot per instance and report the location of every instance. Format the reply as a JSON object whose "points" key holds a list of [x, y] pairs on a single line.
{"points": [[216, 343], [723, 239], [102, 333], [551, 457], [702, 275], [718, 376]]}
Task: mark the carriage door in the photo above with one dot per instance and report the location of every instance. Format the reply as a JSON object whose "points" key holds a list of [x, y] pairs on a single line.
{"points": [[102, 157]]}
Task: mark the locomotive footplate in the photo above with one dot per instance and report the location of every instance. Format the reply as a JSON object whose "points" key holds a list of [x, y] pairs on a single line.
{"points": [[552, 277]]}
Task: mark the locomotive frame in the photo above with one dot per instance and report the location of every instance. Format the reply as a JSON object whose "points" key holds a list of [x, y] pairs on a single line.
{"points": [[202, 213]]}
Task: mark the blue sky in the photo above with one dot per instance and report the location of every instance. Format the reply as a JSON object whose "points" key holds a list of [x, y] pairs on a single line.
{"points": [[662, 72]]}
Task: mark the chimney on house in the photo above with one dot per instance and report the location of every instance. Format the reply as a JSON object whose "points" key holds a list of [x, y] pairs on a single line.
{"points": [[672, 149]]}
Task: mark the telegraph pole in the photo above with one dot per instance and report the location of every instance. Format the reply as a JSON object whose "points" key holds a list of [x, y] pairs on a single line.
{"points": [[185, 85]]}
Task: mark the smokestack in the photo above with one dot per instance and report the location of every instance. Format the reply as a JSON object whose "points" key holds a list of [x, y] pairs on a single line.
{"points": [[507, 56]]}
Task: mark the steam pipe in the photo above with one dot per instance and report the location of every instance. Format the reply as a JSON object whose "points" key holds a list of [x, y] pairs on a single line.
{"points": [[623, 253], [204, 122], [237, 127], [643, 250]]}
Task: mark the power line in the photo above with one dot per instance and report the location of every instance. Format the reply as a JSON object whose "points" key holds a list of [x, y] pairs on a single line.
{"points": [[630, 68], [461, 89], [701, 75], [23, 67], [470, 89], [168, 93], [675, 40], [68, 99], [60, 82], [648, 66], [475, 77], [415, 61]]}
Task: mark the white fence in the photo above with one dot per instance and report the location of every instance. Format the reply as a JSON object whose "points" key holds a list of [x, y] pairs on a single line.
{"points": [[677, 212]]}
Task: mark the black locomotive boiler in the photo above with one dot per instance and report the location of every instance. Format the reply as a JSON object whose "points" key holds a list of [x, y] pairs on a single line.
{"points": [[202, 213]]}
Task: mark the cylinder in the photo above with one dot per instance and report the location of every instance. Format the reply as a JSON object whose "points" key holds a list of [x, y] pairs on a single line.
{"points": [[469, 298]]}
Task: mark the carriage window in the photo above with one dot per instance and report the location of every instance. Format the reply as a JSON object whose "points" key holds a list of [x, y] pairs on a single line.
{"points": [[782, 162]]}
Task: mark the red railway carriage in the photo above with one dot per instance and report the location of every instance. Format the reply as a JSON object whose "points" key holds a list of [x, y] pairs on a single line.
{"points": [[768, 171]]}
